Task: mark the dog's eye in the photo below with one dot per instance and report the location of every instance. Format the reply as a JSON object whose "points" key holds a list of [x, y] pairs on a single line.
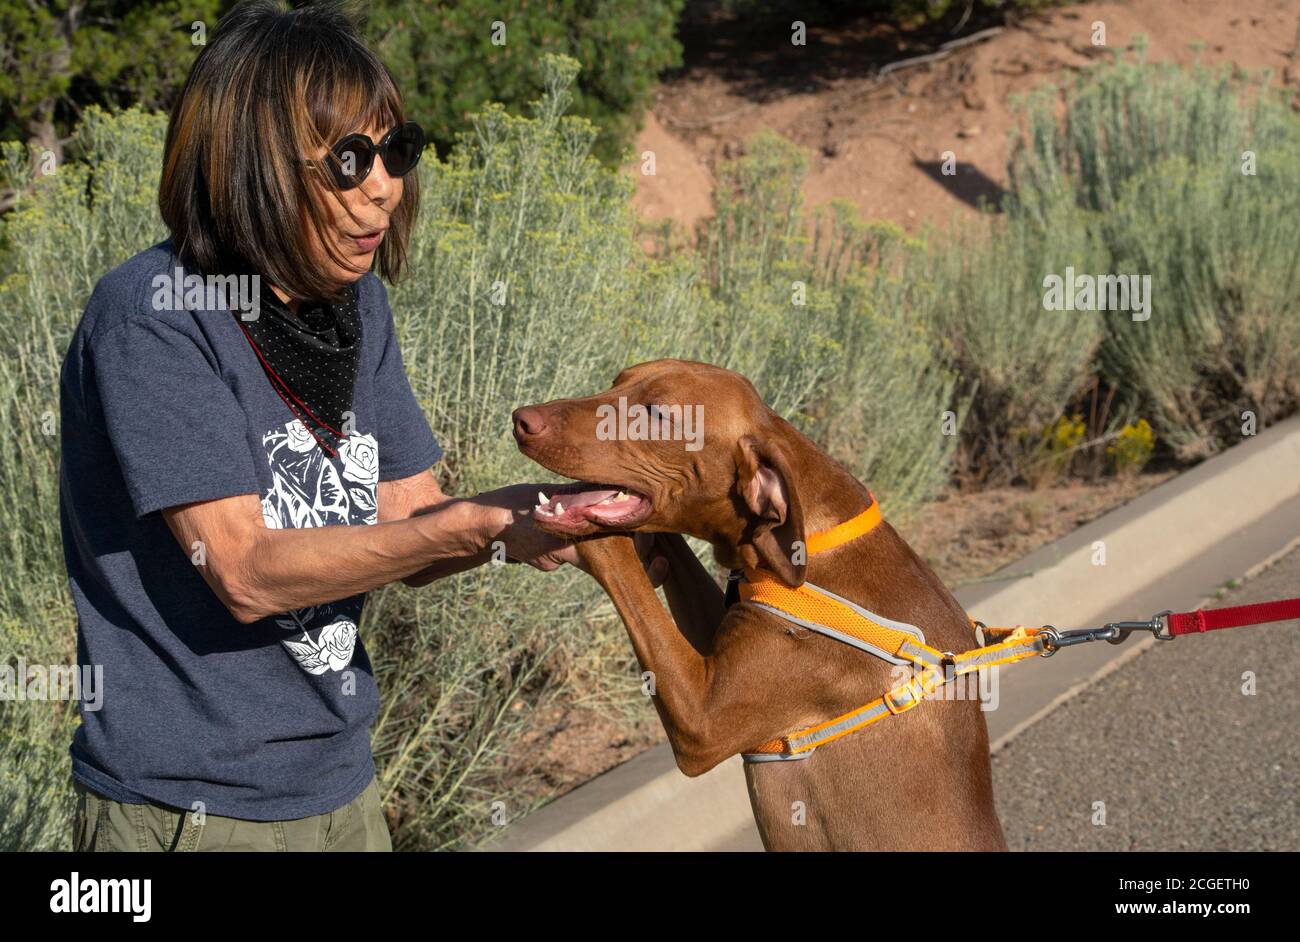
{"points": [[664, 419]]}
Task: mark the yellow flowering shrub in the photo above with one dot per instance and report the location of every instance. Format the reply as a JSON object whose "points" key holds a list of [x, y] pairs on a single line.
{"points": [[1132, 449]]}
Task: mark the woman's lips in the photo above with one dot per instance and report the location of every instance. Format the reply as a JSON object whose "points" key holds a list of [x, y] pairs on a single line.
{"points": [[369, 242]]}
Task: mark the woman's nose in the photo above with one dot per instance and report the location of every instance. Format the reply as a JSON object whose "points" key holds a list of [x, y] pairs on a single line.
{"points": [[379, 186]]}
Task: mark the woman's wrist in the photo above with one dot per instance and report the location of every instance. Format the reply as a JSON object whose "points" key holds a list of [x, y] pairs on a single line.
{"points": [[481, 523], [458, 527]]}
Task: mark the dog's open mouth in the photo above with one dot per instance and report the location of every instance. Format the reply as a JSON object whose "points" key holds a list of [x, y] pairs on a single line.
{"points": [[579, 506]]}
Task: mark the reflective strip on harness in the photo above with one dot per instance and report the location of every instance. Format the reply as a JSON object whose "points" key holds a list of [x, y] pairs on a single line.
{"points": [[1004, 652], [775, 756], [825, 612], [835, 729], [899, 700], [855, 639], [921, 653]]}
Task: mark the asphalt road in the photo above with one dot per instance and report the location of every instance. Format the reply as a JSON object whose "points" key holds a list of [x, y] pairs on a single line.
{"points": [[1179, 755]]}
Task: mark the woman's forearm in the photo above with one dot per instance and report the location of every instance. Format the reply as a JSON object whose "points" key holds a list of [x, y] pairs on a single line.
{"points": [[294, 568], [446, 567]]}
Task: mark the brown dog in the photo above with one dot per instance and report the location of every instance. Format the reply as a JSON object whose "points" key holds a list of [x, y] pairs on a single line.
{"points": [[730, 678]]}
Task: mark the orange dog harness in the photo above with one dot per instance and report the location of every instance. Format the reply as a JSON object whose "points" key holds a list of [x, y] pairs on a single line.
{"points": [[896, 642], [903, 644]]}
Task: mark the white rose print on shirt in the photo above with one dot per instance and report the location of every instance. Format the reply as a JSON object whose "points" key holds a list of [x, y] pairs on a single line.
{"points": [[332, 648], [360, 457], [311, 489]]}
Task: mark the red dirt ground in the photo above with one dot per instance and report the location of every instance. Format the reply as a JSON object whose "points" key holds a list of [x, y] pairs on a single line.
{"points": [[877, 141]]}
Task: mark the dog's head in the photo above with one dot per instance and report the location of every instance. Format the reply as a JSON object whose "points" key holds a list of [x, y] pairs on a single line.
{"points": [[672, 446]]}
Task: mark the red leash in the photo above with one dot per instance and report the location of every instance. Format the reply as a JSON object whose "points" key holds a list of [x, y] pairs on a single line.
{"points": [[1237, 616]]}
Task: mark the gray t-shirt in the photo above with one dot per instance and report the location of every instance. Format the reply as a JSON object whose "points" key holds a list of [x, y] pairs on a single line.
{"points": [[268, 721]]}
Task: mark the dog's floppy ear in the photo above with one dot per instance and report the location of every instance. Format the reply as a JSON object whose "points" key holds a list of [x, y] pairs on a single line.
{"points": [[765, 484]]}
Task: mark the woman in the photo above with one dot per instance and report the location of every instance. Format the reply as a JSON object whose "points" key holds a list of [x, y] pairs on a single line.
{"points": [[243, 458]]}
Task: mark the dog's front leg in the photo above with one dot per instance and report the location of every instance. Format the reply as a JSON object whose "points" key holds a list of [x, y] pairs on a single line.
{"points": [[696, 602], [680, 672], [717, 704]]}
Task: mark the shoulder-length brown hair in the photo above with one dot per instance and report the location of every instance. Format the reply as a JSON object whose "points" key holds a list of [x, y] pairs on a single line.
{"points": [[271, 88]]}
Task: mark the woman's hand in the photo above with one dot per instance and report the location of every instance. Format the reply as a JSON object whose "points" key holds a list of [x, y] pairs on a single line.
{"points": [[511, 522], [528, 543]]}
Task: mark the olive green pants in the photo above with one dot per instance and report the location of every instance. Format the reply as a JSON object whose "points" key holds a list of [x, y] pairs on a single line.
{"points": [[101, 824]]}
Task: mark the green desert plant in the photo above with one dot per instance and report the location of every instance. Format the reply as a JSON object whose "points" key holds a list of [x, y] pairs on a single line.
{"points": [[451, 57], [69, 229], [1187, 176], [817, 324], [980, 293]]}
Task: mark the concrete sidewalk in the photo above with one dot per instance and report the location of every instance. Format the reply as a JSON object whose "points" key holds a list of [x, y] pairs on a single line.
{"points": [[1171, 548]]}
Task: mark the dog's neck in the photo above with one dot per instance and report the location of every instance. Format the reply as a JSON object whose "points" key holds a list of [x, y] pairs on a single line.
{"points": [[828, 495]]}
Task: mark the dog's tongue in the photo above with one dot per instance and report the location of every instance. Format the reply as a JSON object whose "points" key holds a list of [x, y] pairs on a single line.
{"points": [[582, 498], [574, 497], [591, 502]]}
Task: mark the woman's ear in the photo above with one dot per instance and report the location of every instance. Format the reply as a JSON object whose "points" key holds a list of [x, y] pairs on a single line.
{"points": [[765, 483]]}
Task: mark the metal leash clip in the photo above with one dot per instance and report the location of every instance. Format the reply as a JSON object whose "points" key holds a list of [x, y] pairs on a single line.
{"points": [[1054, 638], [1116, 632], [1156, 624]]}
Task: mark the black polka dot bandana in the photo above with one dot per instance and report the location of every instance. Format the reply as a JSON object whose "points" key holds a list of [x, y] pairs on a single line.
{"points": [[311, 358]]}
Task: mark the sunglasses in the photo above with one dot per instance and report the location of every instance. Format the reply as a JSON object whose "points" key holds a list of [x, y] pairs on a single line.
{"points": [[354, 156]]}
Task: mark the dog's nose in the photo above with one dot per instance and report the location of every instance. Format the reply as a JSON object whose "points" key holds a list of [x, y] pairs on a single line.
{"points": [[529, 423]]}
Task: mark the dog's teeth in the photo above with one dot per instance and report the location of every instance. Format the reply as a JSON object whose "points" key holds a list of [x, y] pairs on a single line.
{"points": [[559, 508], [542, 498], [621, 495]]}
